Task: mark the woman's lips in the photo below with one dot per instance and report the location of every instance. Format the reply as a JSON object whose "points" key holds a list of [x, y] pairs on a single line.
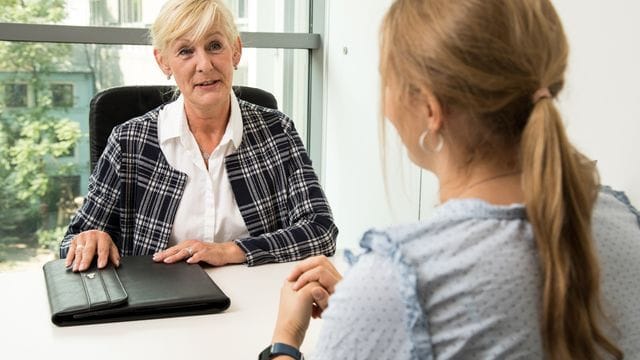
{"points": [[208, 83]]}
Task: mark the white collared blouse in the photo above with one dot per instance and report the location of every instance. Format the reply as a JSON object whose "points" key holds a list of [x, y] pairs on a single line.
{"points": [[208, 210]]}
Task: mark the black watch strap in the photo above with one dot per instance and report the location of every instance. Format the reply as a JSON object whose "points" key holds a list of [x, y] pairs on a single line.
{"points": [[277, 349]]}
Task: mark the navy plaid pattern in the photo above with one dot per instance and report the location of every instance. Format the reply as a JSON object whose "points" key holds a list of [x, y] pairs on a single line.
{"points": [[134, 193]]}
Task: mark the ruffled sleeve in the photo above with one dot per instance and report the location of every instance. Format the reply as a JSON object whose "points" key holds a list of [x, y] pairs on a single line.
{"points": [[622, 197], [375, 312]]}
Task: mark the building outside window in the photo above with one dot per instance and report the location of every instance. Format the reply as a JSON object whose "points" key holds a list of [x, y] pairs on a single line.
{"points": [[16, 95], [62, 95]]}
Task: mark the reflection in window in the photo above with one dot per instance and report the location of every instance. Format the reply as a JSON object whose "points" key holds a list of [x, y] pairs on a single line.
{"points": [[62, 95], [15, 95]]}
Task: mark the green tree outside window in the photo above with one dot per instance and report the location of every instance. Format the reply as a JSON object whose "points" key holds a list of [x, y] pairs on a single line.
{"points": [[33, 137]]}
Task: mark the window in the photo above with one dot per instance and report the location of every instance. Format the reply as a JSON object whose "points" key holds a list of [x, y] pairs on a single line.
{"points": [[16, 95], [258, 15], [102, 13], [242, 9], [130, 11], [62, 95], [239, 8], [109, 13], [86, 60]]}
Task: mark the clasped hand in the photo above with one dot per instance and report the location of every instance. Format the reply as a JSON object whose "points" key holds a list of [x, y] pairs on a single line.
{"points": [[305, 294]]}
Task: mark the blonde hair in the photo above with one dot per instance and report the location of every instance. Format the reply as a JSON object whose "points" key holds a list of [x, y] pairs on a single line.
{"points": [[191, 18], [485, 59]]}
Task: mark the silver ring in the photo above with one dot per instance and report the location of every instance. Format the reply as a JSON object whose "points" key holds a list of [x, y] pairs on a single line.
{"points": [[188, 250]]}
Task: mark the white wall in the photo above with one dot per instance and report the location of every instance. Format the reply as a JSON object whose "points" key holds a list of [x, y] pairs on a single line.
{"points": [[601, 102], [601, 105], [352, 173]]}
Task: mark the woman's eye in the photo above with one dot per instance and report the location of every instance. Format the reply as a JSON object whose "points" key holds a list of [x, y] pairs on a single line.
{"points": [[184, 52], [215, 46]]}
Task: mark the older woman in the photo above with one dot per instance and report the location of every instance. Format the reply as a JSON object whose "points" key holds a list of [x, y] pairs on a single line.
{"points": [[206, 178], [527, 256]]}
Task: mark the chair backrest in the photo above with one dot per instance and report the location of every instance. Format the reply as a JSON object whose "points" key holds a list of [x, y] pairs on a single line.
{"points": [[112, 107]]}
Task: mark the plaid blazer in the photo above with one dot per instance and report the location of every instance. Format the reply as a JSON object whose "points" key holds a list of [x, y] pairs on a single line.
{"points": [[134, 193]]}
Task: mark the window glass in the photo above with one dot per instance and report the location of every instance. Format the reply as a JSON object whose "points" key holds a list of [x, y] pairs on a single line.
{"points": [[130, 12], [239, 8], [15, 95], [62, 95]]}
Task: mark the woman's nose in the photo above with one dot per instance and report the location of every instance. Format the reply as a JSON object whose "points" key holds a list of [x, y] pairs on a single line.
{"points": [[203, 62]]}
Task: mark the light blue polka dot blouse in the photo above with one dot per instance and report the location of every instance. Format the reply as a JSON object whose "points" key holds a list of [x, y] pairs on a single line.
{"points": [[466, 285]]}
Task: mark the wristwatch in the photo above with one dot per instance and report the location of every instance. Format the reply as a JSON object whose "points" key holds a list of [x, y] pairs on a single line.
{"points": [[277, 349]]}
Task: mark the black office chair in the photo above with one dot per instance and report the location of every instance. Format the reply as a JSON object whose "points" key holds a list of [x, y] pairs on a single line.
{"points": [[116, 105]]}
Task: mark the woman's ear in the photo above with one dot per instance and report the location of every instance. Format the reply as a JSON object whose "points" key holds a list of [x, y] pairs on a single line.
{"points": [[237, 52], [161, 62], [433, 112]]}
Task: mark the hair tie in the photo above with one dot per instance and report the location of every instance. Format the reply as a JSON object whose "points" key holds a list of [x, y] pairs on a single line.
{"points": [[542, 93]]}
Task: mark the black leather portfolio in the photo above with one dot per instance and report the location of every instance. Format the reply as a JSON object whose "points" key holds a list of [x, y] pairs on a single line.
{"points": [[139, 289]]}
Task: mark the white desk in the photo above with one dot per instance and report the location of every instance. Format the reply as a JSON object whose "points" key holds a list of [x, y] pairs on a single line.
{"points": [[241, 332]]}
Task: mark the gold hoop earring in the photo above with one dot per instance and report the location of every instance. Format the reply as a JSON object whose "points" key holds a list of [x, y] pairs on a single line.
{"points": [[422, 142]]}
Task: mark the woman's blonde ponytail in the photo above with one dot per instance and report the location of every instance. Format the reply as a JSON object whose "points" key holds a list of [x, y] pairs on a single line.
{"points": [[560, 187]]}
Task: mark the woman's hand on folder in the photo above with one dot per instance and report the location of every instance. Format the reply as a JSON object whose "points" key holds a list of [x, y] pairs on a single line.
{"points": [[195, 251], [86, 245]]}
